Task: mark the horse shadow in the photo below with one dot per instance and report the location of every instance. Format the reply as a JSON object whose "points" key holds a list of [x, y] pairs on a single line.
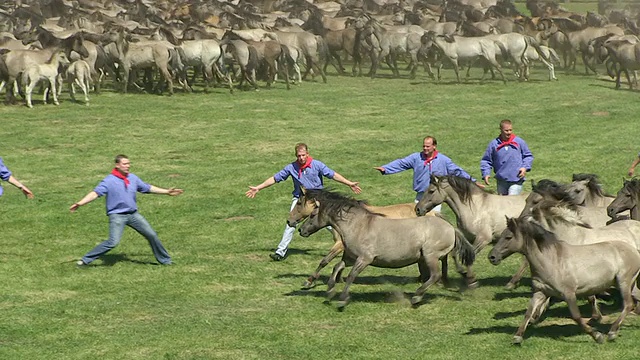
{"points": [[562, 310], [552, 331], [373, 296]]}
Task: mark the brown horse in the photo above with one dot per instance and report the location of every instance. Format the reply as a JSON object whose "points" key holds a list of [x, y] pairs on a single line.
{"points": [[309, 202], [568, 271]]}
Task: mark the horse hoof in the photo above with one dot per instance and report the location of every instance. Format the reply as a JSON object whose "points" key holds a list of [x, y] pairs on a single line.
{"points": [[598, 337], [416, 300], [510, 286], [517, 340], [342, 304], [307, 285], [612, 336], [473, 285], [330, 294]]}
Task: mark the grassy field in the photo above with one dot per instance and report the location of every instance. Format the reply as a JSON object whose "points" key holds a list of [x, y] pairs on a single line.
{"points": [[225, 298]]}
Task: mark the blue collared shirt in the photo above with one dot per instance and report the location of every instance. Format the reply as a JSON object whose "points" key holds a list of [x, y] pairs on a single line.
{"points": [[310, 178], [441, 165], [507, 161], [4, 175], [120, 199]]}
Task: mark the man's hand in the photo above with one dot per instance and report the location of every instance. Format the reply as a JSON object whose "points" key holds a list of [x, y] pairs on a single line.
{"points": [[251, 193], [486, 179], [355, 187], [174, 192], [522, 172], [381, 169]]}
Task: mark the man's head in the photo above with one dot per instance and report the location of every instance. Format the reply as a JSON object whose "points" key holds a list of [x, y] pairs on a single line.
{"points": [[429, 145], [123, 164], [506, 129], [302, 153]]}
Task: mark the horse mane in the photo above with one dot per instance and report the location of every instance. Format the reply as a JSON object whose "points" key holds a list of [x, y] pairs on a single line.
{"points": [[549, 188], [633, 186], [462, 186], [335, 202], [553, 210], [593, 184], [543, 238]]}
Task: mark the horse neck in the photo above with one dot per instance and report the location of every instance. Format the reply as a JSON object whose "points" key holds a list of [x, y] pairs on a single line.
{"points": [[464, 212], [344, 222]]}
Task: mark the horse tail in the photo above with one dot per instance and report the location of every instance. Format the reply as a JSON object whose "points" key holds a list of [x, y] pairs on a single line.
{"points": [[285, 56], [4, 71], [531, 41], [323, 49], [503, 50], [253, 59], [464, 248]]}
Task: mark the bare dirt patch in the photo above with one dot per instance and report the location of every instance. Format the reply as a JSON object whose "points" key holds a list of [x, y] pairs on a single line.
{"points": [[238, 218]]}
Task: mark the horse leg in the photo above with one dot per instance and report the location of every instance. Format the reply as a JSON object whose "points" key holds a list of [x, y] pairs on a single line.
{"points": [[335, 274], [537, 300], [28, 91], [596, 315], [513, 283], [54, 93], [575, 314], [435, 276], [335, 250], [360, 264], [72, 90], [627, 300]]}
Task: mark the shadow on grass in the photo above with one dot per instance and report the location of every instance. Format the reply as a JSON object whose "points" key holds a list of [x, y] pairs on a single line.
{"points": [[552, 331], [112, 259], [559, 309], [372, 297]]}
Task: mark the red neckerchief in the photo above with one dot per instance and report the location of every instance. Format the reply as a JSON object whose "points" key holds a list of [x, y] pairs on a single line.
{"points": [[306, 165], [119, 175], [510, 141], [428, 160]]}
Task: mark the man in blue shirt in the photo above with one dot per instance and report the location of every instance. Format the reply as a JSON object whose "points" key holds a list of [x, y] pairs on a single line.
{"points": [[308, 173], [121, 187], [509, 157], [6, 175], [424, 164]]}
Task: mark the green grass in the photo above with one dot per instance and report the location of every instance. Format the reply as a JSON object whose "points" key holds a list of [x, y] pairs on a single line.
{"points": [[225, 298]]}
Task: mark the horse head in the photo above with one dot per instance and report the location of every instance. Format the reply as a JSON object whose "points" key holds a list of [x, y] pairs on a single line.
{"points": [[433, 196], [626, 198], [303, 208]]}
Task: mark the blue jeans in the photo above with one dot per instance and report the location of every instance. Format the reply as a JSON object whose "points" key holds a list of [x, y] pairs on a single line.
{"points": [[509, 188], [117, 222]]}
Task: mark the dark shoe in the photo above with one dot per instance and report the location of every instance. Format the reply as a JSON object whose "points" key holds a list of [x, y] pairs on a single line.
{"points": [[277, 257]]}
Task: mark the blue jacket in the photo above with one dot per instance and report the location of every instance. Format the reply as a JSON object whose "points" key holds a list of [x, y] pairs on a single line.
{"points": [[4, 174], [120, 199], [507, 161], [310, 178], [441, 165]]}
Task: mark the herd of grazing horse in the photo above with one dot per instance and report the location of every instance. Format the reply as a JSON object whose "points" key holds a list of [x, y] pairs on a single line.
{"points": [[233, 42], [576, 240]]}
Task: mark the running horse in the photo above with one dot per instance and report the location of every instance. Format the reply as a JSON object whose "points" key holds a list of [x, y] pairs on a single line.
{"points": [[371, 239], [309, 201], [627, 199], [569, 271]]}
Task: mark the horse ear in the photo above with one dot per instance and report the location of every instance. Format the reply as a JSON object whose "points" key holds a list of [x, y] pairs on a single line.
{"points": [[511, 224], [304, 191], [317, 204], [533, 184]]}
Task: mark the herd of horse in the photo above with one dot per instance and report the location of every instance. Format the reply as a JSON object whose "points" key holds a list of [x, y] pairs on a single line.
{"points": [[576, 240], [308, 34]]}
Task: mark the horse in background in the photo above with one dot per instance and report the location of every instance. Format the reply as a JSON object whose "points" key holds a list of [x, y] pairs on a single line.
{"points": [[627, 199], [585, 190], [309, 201], [371, 239], [568, 271]]}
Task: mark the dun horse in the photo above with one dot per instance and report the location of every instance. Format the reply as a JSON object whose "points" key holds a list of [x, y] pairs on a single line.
{"points": [[568, 271], [309, 202], [627, 199], [480, 215], [370, 239]]}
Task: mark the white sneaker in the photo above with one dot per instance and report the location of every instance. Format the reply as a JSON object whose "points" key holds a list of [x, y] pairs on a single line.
{"points": [[81, 263]]}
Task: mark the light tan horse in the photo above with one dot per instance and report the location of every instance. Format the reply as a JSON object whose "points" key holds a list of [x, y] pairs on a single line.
{"points": [[371, 239], [305, 206], [480, 215], [569, 271]]}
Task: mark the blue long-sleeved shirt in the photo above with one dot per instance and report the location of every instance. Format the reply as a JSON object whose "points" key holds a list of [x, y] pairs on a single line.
{"points": [[120, 199], [4, 174], [310, 178], [441, 165], [507, 161]]}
